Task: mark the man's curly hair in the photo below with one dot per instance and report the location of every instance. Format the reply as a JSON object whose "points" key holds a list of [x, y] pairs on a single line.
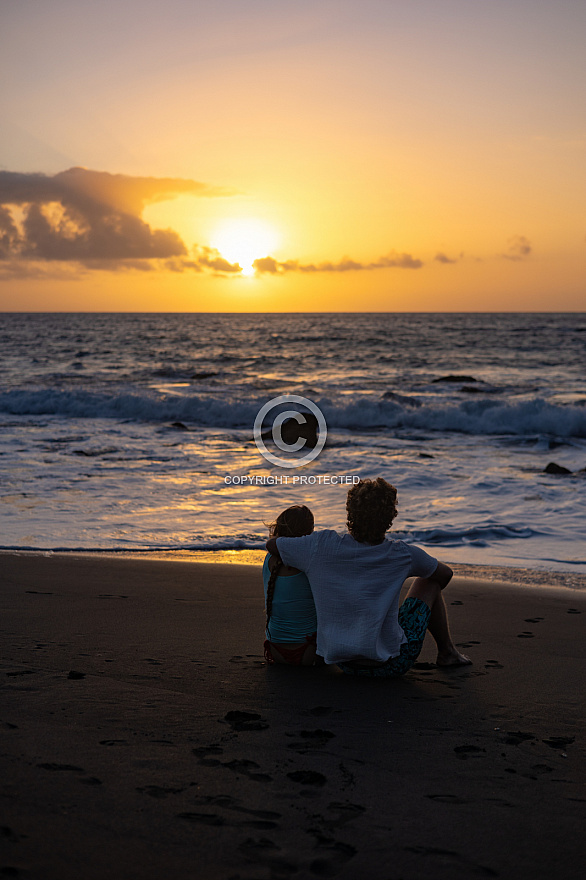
{"points": [[371, 506]]}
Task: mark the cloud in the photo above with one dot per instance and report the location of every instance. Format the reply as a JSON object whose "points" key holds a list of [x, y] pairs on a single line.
{"points": [[91, 217], [518, 248], [205, 259], [442, 258], [81, 186], [8, 233], [270, 266]]}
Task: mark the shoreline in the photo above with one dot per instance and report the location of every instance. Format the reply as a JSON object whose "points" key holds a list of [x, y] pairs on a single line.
{"points": [[513, 575]]}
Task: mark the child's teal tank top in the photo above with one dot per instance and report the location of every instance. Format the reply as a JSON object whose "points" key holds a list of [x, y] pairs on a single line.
{"points": [[293, 611]]}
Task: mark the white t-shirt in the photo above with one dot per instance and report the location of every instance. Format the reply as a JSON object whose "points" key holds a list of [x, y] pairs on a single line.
{"points": [[356, 590]]}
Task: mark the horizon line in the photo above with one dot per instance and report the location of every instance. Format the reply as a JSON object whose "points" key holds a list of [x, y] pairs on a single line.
{"points": [[357, 312]]}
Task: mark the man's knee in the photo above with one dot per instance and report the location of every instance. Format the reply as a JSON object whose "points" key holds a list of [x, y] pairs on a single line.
{"points": [[442, 575], [426, 589]]}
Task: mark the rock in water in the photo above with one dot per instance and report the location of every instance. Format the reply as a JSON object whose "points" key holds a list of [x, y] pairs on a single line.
{"points": [[554, 468], [456, 379]]}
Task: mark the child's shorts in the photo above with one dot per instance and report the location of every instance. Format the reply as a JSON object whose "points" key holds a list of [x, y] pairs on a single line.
{"points": [[414, 617]]}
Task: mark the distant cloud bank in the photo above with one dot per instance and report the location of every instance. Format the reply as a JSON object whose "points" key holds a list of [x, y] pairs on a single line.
{"points": [[270, 266]]}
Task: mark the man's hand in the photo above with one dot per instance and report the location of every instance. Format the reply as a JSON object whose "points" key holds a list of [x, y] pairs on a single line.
{"points": [[271, 546]]}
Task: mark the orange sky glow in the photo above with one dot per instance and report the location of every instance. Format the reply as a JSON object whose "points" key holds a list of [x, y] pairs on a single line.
{"points": [[261, 156]]}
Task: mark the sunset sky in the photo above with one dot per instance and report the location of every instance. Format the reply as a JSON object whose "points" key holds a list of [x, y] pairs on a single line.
{"points": [[271, 155]]}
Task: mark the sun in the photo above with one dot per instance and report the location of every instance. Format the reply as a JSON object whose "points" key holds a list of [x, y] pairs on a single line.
{"points": [[244, 240]]}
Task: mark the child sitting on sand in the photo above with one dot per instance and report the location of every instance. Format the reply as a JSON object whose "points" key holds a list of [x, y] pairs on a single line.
{"points": [[291, 620]]}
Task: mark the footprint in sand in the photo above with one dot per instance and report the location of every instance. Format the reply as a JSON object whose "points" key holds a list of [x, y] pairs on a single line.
{"points": [[203, 818], [493, 664], [321, 710], [559, 742], [67, 767], [573, 611], [307, 777], [239, 720], [158, 791], [311, 739], [525, 635], [347, 812], [515, 737], [203, 752], [534, 619], [215, 819], [338, 854], [227, 802], [446, 798], [247, 768], [467, 750]]}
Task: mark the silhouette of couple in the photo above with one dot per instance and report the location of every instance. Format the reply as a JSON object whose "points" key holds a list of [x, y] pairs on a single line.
{"points": [[334, 598]]}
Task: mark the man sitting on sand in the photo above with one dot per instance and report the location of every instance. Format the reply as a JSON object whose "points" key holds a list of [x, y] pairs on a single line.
{"points": [[356, 579]]}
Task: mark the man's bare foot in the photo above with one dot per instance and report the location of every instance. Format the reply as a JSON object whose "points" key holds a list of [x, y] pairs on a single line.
{"points": [[453, 658]]}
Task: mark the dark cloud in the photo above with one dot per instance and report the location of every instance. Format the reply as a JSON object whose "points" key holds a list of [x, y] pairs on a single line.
{"points": [[210, 258], [518, 248], [81, 186], [91, 217], [442, 258], [205, 259], [8, 233], [270, 266]]}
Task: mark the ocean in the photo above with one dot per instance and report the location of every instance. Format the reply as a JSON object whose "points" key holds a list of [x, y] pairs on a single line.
{"points": [[125, 431]]}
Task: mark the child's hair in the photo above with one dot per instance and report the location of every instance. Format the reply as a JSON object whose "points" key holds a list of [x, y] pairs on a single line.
{"points": [[294, 522], [371, 506]]}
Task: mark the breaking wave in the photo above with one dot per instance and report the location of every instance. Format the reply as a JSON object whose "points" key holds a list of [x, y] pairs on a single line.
{"points": [[533, 416]]}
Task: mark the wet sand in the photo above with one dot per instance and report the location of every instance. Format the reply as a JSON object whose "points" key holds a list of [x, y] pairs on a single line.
{"points": [[143, 736]]}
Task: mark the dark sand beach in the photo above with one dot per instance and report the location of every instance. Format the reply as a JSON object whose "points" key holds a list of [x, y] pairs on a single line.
{"points": [[144, 737]]}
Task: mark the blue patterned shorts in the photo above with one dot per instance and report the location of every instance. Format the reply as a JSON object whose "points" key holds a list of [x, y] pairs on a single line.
{"points": [[413, 619]]}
